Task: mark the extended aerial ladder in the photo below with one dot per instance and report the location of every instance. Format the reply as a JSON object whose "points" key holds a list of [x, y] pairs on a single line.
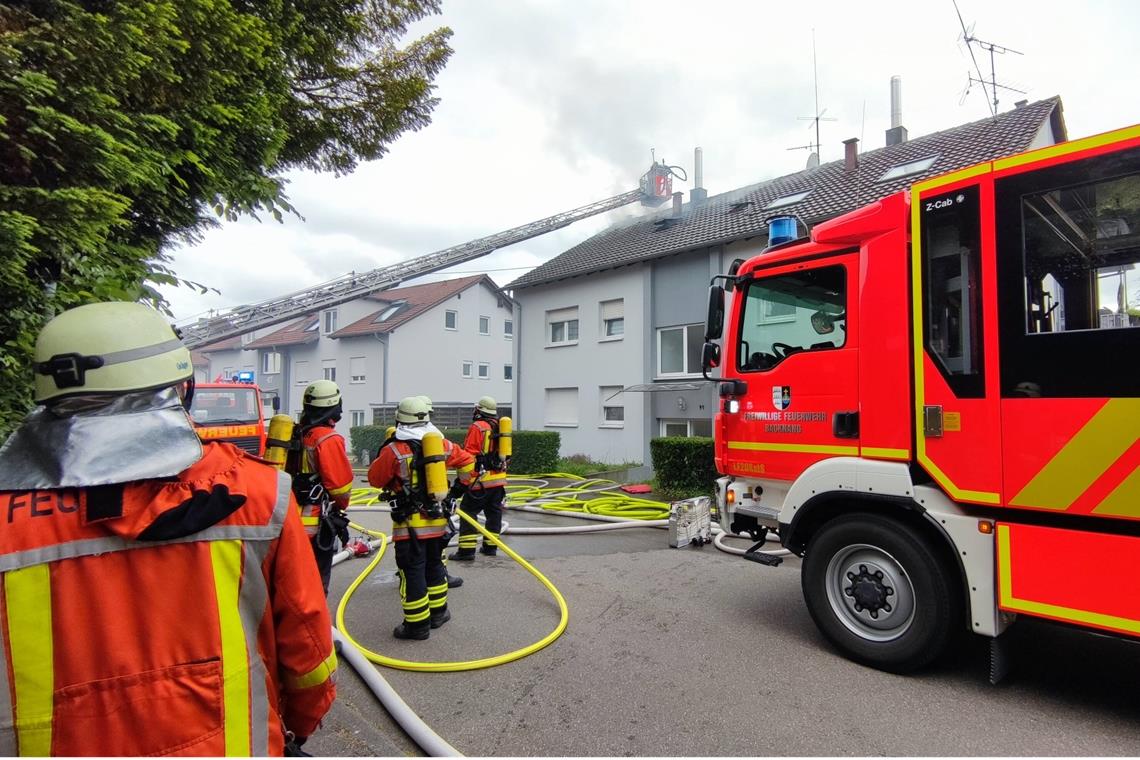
{"points": [[655, 187]]}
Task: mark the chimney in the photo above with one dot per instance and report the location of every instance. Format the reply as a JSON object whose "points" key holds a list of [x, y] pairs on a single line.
{"points": [[1021, 104], [678, 201], [851, 153], [698, 194], [896, 135]]}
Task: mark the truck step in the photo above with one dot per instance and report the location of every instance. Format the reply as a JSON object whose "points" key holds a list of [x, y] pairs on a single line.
{"points": [[755, 555]]}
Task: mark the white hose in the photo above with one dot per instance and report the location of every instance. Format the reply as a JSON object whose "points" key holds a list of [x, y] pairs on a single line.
{"points": [[427, 740]]}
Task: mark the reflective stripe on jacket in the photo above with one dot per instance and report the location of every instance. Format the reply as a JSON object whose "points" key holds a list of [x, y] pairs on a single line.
{"points": [[162, 617], [394, 466], [480, 441]]}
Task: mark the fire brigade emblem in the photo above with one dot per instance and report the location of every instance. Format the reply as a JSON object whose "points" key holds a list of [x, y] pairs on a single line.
{"points": [[781, 396]]}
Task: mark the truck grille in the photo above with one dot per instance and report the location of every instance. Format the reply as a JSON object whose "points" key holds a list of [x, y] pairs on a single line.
{"points": [[248, 444]]}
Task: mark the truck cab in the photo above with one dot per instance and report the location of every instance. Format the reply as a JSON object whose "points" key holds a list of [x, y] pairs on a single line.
{"points": [[232, 411], [933, 400]]}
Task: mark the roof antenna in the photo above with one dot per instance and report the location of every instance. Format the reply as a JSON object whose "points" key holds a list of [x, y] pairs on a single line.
{"points": [[819, 115], [992, 48]]}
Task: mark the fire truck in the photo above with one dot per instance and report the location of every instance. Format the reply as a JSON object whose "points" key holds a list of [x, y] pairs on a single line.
{"points": [[934, 400], [233, 411]]}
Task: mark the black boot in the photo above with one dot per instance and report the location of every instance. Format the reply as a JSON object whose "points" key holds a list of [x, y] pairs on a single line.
{"points": [[489, 549], [454, 581], [463, 555], [416, 631], [440, 617]]}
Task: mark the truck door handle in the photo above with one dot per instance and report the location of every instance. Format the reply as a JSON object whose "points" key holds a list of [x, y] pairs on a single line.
{"points": [[845, 424]]}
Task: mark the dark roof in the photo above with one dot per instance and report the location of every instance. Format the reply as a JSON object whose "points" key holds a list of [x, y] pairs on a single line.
{"points": [[834, 190], [229, 344], [415, 300], [293, 334]]}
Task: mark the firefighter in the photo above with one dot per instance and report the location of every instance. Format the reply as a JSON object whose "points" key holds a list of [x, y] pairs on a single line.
{"points": [[323, 483], [489, 488], [159, 595], [419, 522], [453, 581]]}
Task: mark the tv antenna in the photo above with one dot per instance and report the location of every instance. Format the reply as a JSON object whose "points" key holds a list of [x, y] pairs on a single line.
{"points": [[993, 49], [819, 115]]}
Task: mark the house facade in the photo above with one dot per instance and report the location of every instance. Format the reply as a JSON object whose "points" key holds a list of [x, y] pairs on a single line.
{"points": [[450, 340], [610, 386]]}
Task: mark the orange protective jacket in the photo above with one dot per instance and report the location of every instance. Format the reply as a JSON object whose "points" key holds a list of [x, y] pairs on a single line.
{"points": [[324, 454], [481, 441], [181, 616], [395, 465]]}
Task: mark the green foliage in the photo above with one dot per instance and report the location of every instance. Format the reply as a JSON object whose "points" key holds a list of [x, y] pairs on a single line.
{"points": [[684, 465], [583, 465], [366, 439], [455, 435], [534, 451], [126, 125]]}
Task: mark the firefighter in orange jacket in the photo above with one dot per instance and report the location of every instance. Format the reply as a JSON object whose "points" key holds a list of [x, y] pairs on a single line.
{"points": [[323, 480], [158, 596], [489, 488], [419, 525]]}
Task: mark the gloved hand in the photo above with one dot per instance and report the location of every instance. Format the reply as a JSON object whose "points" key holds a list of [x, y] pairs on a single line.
{"points": [[293, 745], [447, 504], [457, 490], [338, 520]]}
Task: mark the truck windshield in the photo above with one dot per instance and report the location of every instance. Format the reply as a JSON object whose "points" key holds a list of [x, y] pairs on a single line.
{"points": [[791, 313], [224, 406]]}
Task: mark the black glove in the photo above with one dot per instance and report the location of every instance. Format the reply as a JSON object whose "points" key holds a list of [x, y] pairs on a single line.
{"points": [[457, 490], [338, 520], [293, 746]]}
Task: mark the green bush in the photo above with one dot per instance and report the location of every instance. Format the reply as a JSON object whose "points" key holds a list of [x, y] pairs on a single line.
{"points": [[455, 435], [366, 439], [684, 464], [534, 451]]}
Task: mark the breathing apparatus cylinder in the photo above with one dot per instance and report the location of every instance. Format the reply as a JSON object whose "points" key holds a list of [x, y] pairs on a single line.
{"points": [[279, 438], [505, 427], [390, 432], [435, 466]]}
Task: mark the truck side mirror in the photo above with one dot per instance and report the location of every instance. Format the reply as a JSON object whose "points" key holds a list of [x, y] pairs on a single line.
{"points": [[714, 322], [710, 358]]}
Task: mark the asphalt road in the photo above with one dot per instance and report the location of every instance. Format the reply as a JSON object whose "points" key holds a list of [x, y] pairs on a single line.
{"points": [[696, 652]]}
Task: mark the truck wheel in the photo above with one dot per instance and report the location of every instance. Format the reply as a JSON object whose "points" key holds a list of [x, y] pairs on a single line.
{"points": [[880, 593]]}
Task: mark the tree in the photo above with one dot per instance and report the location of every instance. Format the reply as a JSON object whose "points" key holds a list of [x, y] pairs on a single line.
{"points": [[126, 125]]}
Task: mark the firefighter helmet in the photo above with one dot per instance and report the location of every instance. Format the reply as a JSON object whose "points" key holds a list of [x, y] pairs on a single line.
{"points": [[108, 349], [322, 394], [427, 401], [412, 410], [486, 406]]}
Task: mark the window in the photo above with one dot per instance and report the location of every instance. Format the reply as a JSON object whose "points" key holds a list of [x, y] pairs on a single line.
{"points": [[679, 350], [613, 406], [561, 407], [508, 372], [246, 338], [686, 428], [301, 373], [788, 200], [562, 326], [508, 329], [484, 371], [466, 368], [328, 369], [357, 418], [484, 325], [270, 363], [390, 312], [1068, 250], [227, 372], [356, 371], [329, 319], [907, 169], [814, 302], [952, 288], [450, 320], [613, 318]]}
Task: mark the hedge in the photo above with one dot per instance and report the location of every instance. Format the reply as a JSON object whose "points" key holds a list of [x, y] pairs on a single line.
{"points": [[534, 451], [684, 464]]}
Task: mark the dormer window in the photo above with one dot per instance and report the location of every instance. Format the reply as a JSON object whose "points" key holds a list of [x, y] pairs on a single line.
{"points": [[907, 169], [788, 200], [390, 312]]}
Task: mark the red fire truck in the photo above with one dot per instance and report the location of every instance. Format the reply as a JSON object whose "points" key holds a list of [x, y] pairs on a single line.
{"points": [[232, 411], [935, 400]]}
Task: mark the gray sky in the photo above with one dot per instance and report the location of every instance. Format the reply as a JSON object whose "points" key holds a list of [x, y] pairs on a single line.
{"points": [[548, 105]]}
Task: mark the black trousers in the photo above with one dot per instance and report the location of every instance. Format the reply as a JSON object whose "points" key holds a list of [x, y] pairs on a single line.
{"points": [[423, 578], [324, 557], [490, 501]]}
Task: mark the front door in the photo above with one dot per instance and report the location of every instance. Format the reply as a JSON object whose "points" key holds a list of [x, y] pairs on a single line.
{"points": [[796, 348]]}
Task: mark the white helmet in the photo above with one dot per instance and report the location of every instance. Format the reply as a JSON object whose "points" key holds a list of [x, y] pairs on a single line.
{"points": [[486, 406], [412, 410], [427, 401], [109, 348], [322, 394]]}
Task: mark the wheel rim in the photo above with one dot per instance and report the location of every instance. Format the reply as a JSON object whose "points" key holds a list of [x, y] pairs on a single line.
{"points": [[870, 592]]}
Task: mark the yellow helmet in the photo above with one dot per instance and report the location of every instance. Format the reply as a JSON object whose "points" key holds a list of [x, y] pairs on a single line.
{"points": [[322, 394], [411, 410], [108, 348], [487, 406]]}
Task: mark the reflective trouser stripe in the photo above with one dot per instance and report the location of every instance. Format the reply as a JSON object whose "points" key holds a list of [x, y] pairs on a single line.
{"points": [[437, 596], [468, 540], [417, 611], [28, 599], [316, 676], [226, 557]]}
